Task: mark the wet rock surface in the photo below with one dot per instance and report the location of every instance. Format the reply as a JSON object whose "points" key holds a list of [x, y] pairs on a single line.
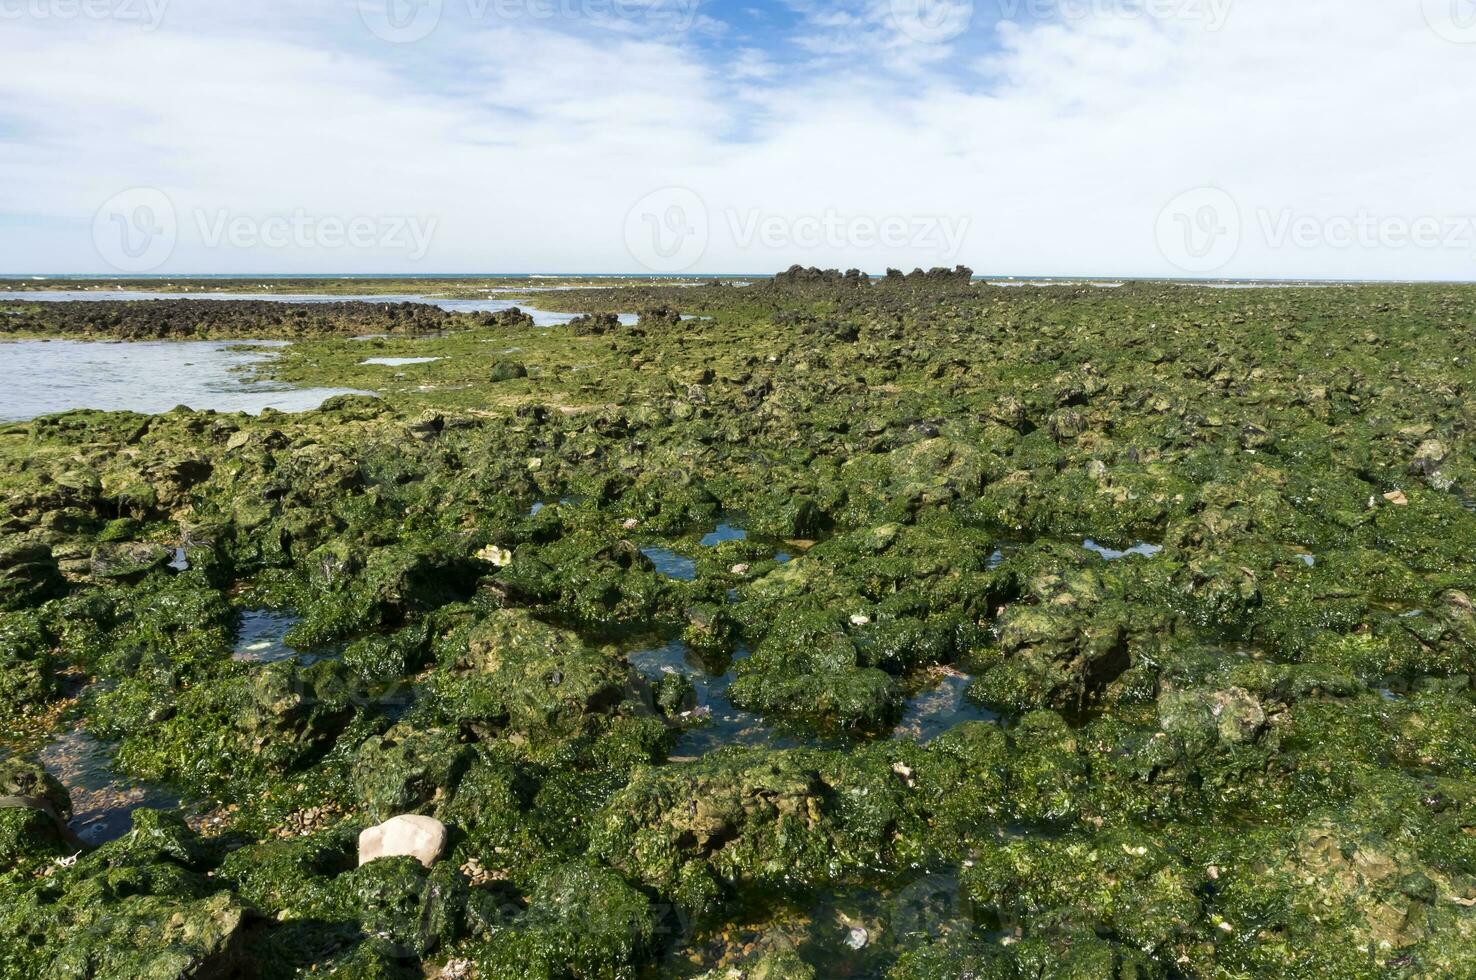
{"points": [[895, 628]]}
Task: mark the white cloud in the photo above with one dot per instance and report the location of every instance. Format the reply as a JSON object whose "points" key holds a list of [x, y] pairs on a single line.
{"points": [[528, 140]]}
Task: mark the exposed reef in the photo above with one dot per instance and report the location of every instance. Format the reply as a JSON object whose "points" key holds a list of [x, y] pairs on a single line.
{"points": [[666, 625]]}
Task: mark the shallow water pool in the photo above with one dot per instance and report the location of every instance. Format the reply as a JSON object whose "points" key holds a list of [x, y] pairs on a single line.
{"points": [[42, 377], [671, 564], [400, 361], [261, 636], [102, 801]]}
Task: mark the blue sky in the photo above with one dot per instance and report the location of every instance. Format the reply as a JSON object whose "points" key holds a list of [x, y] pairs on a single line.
{"points": [[1235, 138]]}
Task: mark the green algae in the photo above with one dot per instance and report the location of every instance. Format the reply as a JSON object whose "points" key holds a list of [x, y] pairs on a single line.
{"points": [[1246, 750]]}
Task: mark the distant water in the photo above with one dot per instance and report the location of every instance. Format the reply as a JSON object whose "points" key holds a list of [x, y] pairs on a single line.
{"points": [[541, 318], [41, 377]]}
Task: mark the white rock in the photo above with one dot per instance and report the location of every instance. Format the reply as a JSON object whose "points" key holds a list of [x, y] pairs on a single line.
{"points": [[857, 938], [493, 555], [423, 838], [860, 620]]}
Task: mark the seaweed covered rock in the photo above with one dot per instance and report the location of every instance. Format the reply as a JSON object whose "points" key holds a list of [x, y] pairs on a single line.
{"points": [[808, 667], [594, 324], [128, 560], [406, 769], [1121, 882], [1069, 636], [34, 810], [507, 371], [138, 906], [27, 665], [28, 574], [581, 919], [1209, 554], [538, 691]]}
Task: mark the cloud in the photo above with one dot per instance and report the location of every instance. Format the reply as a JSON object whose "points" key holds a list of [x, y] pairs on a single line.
{"points": [[1054, 136]]}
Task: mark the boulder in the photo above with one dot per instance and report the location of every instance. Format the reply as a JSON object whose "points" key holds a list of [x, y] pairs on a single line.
{"points": [[28, 575], [409, 835], [508, 371], [128, 559], [594, 324], [1428, 457]]}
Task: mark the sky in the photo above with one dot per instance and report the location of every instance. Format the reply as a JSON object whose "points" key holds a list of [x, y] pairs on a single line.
{"points": [[1097, 138]]}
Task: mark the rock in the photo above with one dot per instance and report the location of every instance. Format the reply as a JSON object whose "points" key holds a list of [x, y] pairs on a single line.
{"points": [[405, 769], [34, 810], [1239, 714], [423, 838], [1206, 719], [594, 324], [28, 575], [1428, 457], [508, 371], [1009, 412], [1397, 498], [660, 315], [1066, 424], [128, 559], [493, 555], [426, 428]]}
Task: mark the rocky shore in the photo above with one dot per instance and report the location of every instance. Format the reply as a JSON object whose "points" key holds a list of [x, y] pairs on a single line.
{"points": [[1204, 562]]}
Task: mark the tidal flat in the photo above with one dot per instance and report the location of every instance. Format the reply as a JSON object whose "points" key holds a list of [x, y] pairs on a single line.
{"points": [[820, 626]]}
